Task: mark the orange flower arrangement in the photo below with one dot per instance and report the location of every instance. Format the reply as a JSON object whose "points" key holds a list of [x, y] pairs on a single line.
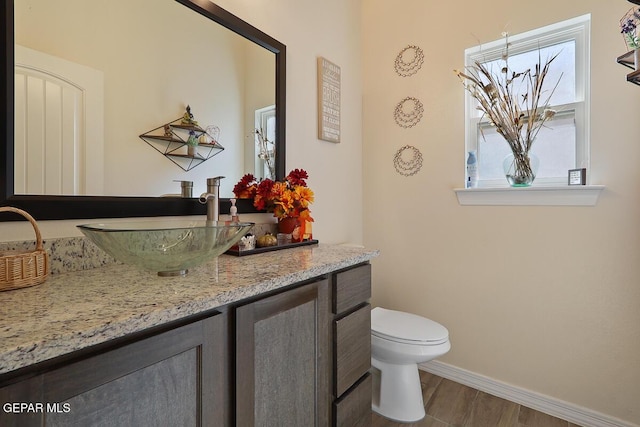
{"points": [[286, 199]]}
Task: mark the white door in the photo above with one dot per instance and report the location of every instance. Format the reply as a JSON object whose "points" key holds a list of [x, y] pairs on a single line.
{"points": [[59, 126]]}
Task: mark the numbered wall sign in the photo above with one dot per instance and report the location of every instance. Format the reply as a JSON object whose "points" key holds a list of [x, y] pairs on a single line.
{"points": [[328, 101]]}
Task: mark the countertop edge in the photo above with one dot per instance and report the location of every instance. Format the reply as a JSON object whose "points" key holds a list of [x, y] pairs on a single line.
{"points": [[59, 343]]}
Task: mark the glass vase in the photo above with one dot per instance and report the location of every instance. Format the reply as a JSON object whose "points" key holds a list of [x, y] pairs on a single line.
{"points": [[521, 169]]}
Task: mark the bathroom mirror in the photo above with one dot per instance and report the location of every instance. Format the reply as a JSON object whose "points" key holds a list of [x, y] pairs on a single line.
{"points": [[120, 204]]}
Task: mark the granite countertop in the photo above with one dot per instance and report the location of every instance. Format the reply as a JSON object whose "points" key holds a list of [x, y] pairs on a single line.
{"points": [[72, 311]]}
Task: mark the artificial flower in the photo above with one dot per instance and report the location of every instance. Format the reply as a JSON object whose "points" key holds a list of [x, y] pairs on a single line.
{"points": [[289, 198], [246, 187], [628, 27]]}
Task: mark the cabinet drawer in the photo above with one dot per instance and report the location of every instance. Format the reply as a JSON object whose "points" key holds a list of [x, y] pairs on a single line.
{"points": [[351, 287], [354, 408], [352, 348]]}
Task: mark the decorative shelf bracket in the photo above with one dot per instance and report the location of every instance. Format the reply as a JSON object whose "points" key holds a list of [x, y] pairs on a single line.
{"points": [[172, 140]]}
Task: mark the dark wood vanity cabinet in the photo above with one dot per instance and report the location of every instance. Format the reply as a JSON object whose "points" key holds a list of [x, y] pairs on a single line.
{"points": [[174, 378], [303, 356], [298, 357]]}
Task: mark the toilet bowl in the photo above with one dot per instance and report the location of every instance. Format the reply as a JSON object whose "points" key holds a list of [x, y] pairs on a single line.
{"points": [[399, 341]]}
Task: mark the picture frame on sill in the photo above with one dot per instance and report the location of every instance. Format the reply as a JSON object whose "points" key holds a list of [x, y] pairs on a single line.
{"points": [[577, 176]]}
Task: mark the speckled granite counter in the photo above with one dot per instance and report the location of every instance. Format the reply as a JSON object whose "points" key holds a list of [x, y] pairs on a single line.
{"points": [[72, 311]]}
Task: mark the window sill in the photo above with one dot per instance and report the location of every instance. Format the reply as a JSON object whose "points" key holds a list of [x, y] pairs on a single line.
{"points": [[578, 195]]}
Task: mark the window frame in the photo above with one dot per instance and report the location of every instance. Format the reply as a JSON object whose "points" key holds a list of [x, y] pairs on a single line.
{"points": [[577, 29]]}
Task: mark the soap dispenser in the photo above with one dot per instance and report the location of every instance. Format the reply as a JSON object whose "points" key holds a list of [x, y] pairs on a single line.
{"points": [[233, 211]]}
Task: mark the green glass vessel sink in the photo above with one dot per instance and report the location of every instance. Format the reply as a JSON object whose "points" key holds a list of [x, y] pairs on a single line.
{"points": [[167, 247]]}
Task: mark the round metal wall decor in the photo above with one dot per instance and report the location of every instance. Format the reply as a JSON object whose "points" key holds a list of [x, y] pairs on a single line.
{"points": [[408, 160], [408, 112], [409, 68]]}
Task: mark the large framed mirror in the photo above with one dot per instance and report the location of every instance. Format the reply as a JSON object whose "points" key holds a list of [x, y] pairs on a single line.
{"points": [[231, 86]]}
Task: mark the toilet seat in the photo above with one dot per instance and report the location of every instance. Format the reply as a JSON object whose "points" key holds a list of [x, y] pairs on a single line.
{"points": [[406, 328]]}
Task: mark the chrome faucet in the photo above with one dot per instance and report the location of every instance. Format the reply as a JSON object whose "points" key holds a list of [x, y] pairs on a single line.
{"points": [[212, 199]]}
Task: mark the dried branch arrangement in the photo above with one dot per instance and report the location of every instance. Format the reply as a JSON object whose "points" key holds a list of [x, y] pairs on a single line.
{"points": [[515, 102], [266, 152]]}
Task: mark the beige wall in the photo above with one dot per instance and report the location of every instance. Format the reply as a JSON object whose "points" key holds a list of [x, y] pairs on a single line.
{"points": [[543, 298]]}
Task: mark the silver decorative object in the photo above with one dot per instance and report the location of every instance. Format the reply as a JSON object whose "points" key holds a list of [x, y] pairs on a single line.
{"points": [[406, 69], [410, 118], [410, 166]]}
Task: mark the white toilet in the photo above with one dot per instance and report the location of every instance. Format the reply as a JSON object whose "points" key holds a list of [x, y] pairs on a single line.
{"points": [[399, 341]]}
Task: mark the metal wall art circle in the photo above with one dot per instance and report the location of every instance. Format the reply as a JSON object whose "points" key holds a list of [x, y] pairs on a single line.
{"points": [[408, 112], [408, 68], [408, 160]]}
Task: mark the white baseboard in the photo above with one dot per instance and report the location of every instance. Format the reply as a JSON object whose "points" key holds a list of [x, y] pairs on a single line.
{"points": [[549, 405]]}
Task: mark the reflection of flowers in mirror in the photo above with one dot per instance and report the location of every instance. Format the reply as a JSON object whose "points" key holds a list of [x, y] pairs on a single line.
{"points": [[192, 144], [192, 141]]}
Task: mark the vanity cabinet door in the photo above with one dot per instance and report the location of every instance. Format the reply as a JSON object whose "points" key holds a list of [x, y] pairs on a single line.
{"points": [[175, 378], [283, 359]]}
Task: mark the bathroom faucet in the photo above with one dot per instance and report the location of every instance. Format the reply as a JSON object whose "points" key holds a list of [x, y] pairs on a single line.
{"points": [[212, 199]]}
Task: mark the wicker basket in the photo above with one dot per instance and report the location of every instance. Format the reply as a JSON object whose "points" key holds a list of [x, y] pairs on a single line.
{"points": [[19, 269]]}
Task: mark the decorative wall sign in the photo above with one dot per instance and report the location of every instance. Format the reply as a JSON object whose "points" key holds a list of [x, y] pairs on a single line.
{"points": [[328, 101], [408, 112], [409, 61], [408, 160]]}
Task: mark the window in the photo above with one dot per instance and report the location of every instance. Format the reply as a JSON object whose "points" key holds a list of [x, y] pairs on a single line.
{"points": [[265, 147], [563, 143]]}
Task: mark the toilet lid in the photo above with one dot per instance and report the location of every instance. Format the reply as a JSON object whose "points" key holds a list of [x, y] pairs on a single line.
{"points": [[406, 328]]}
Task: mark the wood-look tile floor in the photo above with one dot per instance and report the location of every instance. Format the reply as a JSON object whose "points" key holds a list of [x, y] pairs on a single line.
{"points": [[449, 404]]}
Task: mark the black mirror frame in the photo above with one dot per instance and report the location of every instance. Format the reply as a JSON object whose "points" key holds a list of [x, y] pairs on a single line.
{"points": [[76, 207]]}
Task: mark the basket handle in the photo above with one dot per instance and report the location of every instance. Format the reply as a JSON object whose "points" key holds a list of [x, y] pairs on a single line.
{"points": [[31, 220]]}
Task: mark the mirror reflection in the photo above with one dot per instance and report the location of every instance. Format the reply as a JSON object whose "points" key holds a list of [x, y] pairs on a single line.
{"points": [[94, 77]]}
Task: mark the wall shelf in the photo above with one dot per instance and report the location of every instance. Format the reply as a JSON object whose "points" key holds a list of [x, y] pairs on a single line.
{"points": [[568, 195], [171, 139], [628, 61]]}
